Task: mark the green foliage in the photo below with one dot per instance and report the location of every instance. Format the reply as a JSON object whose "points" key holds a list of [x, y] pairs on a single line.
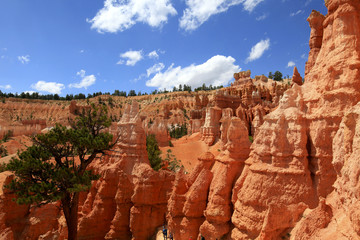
{"points": [[132, 93], [271, 76], [251, 139], [174, 164], [55, 167], [48, 170], [178, 131], [153, 152], [205, 88], [278, 76], [171, 144], [3, 151]]}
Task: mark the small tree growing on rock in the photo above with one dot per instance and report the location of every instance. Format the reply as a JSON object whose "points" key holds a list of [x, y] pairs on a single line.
{"points": [[55, 167]]}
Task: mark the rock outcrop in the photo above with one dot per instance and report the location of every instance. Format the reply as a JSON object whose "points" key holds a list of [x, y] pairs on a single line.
{"points": [[211, 129], [290, 165], [130, 198], [12, 217], [315, 20], [159, 128], [188, 199], [296, 78], [227, 168], [200, 203]]}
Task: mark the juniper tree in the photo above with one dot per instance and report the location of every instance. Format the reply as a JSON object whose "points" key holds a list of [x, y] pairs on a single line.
{"points": [[55, 167]]}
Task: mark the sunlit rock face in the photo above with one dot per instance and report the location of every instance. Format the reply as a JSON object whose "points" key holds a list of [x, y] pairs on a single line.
{"points": [[290, 165], [200, 203], [130, 193]]}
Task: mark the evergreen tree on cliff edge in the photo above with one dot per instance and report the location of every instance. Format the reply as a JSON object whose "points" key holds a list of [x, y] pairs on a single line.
{"points": [[55, 167]]}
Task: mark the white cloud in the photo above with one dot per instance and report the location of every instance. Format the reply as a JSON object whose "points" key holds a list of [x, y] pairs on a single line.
{"points": [[153, 55], [304, 56], [258, 50], [132, 57], [82, 51], [24, 59], [262, 17], [30, 92], [155, 69], [51, 87], [8, 86], [199, 11], [218, 70], [86, 81], [296, 13], [291, 64], [119, 15], [249, 5]]}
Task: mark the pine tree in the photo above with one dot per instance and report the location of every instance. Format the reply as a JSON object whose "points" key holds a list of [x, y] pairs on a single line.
{"points": [[55, 167]]}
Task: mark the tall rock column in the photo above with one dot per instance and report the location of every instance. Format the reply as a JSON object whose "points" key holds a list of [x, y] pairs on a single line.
{"points": [[189, 198], [276, 175], [227, 168], [315, 20], [211, 129]]}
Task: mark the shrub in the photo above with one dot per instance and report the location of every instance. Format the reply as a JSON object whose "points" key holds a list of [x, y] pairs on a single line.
{"points": [[153, 152], [178, 131], [174, 164]]}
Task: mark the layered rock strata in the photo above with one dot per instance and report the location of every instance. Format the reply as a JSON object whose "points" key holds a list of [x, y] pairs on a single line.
{"points": [[128, 201], [290, 165], [130, 198], [200, 203]]}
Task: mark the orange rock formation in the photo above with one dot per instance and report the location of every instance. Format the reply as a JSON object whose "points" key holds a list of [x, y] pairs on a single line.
{"points": [[299, 178]]}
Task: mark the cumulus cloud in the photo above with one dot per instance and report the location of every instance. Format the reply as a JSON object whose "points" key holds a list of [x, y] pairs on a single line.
{"points": [[24, 59], [8, 86], [218, 70], [155, 69], [199, 11], [291, 64], [131, 57], [86, 81], [258, 50], [119, 15], [153, 55], [296, 13], [51, 87]]}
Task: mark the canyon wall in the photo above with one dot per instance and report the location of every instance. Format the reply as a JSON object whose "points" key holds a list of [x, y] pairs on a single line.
{"points": [[290, 165]]}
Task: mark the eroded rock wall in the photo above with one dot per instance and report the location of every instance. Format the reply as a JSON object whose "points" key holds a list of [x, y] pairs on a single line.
{"points": [[290, 165]]}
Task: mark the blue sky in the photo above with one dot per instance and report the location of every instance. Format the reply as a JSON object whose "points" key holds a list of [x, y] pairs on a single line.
{"points": [[73, 46]]}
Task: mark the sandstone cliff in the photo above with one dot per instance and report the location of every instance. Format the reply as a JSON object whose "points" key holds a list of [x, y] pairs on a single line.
{"points": [[290, 165]]}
